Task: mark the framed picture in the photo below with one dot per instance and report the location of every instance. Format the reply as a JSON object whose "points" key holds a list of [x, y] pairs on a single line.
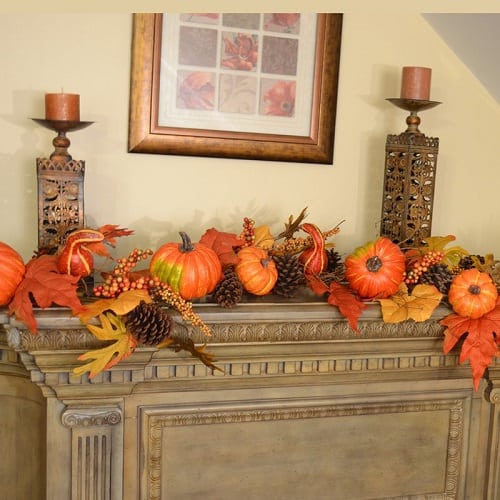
{"points": [[250, 86]]}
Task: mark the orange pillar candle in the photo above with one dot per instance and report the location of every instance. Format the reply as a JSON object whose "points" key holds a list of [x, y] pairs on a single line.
{"points": [[63, 107], [416, 83]]}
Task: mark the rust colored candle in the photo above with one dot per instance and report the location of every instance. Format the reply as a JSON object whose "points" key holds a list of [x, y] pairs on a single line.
{"points": [[64, 107], [416, 83]]}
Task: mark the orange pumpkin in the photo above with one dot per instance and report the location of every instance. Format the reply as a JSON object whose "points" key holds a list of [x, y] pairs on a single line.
{"points": [[472, 293], [376, 269], [256, 270], [12, 270], [191, 269]]}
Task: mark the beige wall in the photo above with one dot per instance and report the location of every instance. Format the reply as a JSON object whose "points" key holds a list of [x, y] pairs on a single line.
{"points": [[157, 196]]}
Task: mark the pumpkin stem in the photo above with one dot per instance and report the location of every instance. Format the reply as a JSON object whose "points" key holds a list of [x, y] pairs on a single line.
{"points": [[373, 264], [265, 262], [475, 289], [186, 245]]}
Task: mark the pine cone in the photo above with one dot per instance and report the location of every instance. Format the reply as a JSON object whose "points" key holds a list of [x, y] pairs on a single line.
{"points": [[334, 261], [438, 275], [149, 324], [229, 290], [335, 269], [290, 275], [466, 262]]}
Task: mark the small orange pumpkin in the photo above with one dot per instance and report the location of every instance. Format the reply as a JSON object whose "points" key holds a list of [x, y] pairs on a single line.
{"points": [[191, 269], [256, 270], [376, 269], [472, 293], [12, 270]]}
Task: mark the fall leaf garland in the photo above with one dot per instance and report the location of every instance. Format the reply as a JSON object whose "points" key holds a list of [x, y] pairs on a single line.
{"points": [[44, 284]]}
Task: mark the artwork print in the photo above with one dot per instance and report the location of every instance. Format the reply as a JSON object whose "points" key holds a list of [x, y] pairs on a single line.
{"points": [[231, 85], [244, 69]]}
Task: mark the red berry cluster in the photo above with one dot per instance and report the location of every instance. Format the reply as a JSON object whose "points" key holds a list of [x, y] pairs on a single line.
{"points": [[248, 233], [120, 280], [421, 265]]}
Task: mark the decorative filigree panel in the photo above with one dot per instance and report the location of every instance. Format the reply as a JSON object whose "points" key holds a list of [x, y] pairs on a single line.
{"points": [[407, 205], [60, 200]]}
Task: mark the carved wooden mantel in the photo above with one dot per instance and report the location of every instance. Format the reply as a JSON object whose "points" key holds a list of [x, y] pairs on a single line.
{"points": [[305, 408]]}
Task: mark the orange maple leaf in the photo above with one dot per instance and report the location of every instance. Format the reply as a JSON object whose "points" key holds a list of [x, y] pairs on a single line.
{"points": [[480, 345], [110, 233], [46, 285], [341, 297], [223, 244]]}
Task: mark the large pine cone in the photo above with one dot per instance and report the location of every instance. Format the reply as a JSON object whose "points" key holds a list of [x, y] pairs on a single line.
{"points": [[438, 275], [229, 291], [290, 275], [149, 324]]}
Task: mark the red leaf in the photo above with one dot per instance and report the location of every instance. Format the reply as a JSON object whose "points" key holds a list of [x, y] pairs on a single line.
{"points": [[47, 286], [342, 297], [480, 344], [110, 232], [349, 305], [456, 327], [223, 244]]}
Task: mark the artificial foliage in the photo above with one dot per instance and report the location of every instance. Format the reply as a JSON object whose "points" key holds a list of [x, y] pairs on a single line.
{"points": [[131, 303]]}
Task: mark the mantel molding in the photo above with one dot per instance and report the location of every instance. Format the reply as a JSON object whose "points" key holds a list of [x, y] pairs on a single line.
{"points": [[257, 343]]}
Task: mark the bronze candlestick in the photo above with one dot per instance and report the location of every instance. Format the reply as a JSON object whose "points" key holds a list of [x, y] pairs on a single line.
{"points": [[409, 178], [60, 188]]}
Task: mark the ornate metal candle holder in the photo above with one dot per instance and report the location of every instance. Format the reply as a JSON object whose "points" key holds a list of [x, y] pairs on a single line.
{"points": [[60, 188], [410, 170]]}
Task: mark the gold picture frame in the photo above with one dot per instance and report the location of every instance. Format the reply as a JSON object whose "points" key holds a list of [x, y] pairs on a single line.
{"points": [[148, 134]]}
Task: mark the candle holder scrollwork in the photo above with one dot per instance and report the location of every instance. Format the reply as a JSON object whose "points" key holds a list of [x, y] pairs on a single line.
{"points": [[409, 179], [60, 188]]}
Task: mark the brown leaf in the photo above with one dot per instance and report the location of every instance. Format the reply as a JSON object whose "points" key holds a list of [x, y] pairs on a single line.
{"points": [[43, 282], [293, 225], [178, 344], [418, 306]]}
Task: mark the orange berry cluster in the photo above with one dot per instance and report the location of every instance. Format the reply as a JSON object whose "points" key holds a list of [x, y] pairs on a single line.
{"points": [[120, 280], [421, 265], [292, 246], [160, 291], [248, 233]]}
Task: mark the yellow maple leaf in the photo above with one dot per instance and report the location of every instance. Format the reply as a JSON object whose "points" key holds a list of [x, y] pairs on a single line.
{"points": [[418, 306], [263, 237], [452, 255], [112, 329], [120, 305]]}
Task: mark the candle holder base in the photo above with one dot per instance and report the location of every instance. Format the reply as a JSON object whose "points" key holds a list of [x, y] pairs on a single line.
{"points": [[413, 106], [61, 142]]}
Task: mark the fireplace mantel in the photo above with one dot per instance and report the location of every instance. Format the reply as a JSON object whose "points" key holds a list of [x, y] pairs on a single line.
{"points": [[304, 403]]}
